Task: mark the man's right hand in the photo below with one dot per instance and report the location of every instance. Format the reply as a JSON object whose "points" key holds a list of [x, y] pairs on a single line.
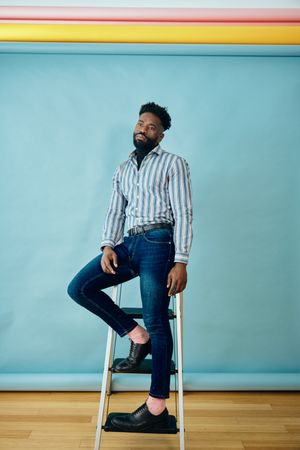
{"points": [[109, 260]]}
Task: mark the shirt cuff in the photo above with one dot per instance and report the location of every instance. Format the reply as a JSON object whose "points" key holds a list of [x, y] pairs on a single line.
{"points": [[107, 243], [181, 257]]}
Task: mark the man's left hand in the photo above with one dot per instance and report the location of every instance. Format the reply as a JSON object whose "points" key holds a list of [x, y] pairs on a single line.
{"points": [[177, 279]]}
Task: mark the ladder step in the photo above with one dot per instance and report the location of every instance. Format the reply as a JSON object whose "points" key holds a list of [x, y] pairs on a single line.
{"points": [[137, 313], [170, 428], [144, 367]]}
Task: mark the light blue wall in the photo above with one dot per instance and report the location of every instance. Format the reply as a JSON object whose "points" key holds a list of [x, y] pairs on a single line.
{"points": [[67, 121]]}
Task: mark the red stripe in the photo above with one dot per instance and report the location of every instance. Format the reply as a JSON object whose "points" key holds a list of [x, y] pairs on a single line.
{"points": [[151, 14]]}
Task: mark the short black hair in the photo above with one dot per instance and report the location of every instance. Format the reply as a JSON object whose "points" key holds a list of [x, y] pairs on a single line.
{"points": [[159, 111]]}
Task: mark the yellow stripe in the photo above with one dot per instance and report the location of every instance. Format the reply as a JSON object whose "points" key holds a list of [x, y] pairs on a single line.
{"points": [[160, 34]]}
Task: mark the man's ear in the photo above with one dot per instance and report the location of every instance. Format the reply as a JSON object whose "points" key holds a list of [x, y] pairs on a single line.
{"points": [[161, 137]]}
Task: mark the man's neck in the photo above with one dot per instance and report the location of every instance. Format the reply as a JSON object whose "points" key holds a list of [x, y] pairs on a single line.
{"points": [[141, 153]]}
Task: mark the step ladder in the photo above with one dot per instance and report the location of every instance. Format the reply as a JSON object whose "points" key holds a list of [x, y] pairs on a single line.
{"points": [[175, 315]]}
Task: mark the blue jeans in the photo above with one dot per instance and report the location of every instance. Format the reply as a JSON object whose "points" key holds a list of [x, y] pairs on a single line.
{"points": [[150, 256]]}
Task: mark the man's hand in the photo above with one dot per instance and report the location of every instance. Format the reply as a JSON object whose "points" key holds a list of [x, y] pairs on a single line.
{"points": [[177, 279], [109, 260]]}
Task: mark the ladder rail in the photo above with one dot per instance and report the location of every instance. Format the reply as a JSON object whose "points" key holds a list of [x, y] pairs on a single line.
{"points": [[179, 335], [116, 297], [108, 356], [175, 354]]}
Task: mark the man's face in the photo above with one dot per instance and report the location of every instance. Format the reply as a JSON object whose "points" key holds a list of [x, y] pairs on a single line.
{"points": [[148, 132]]}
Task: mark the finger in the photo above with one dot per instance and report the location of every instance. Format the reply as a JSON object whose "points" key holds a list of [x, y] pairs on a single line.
{"points": [[115, 260], [183, 286], [105, 269], [110, 268], [169, 279], [172, 290], [180, 287], [102, 264], [107, 266]]}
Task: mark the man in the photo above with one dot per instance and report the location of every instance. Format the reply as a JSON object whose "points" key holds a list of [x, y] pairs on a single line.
{"points": [[151, 190]]}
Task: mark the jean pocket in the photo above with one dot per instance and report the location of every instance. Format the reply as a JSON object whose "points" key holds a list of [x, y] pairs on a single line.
{"points": [[159, 236]]}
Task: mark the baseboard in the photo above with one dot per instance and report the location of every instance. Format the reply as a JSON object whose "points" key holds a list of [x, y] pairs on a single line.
{"points": [[135, 382]]}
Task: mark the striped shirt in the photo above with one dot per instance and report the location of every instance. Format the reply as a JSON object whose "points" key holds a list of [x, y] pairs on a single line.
{"points": [[160, 191]]}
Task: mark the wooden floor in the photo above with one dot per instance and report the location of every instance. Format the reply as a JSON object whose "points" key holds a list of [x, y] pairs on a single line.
{"points": [[213, 420]]}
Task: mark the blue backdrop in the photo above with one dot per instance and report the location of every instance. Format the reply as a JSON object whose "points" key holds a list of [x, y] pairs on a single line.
{"points": [[66, 122]]}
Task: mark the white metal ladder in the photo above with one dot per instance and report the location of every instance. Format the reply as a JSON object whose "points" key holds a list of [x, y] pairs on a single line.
{"points": [[176, 314]]}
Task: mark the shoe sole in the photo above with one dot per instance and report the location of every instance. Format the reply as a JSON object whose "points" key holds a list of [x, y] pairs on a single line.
{"points": [[153, 427]]}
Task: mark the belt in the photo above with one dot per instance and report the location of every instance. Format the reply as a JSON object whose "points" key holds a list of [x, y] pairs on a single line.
{"points": [[139, 229]]}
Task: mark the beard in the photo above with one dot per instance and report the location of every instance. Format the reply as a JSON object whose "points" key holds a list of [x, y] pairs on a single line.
{"points": [[146, 145]]}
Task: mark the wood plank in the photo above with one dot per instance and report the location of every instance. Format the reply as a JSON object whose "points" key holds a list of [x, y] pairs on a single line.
{"points": [[45, 418], [213, 420], [14, 433], [270, 445], [40, 444]]}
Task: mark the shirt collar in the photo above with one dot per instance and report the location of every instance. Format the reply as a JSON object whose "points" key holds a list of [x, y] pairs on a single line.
{"points": [[156, 150]]}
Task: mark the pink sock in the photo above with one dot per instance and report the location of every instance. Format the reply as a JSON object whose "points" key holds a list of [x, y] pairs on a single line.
{"points": [[156, 405], [139, 335]]}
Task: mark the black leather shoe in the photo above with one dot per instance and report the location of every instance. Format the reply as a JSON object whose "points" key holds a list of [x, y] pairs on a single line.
{"points": [[137, 353], [140, 420]]}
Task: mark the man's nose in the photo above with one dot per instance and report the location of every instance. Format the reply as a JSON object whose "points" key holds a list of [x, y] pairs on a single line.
{"points": [[143, 128]]}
